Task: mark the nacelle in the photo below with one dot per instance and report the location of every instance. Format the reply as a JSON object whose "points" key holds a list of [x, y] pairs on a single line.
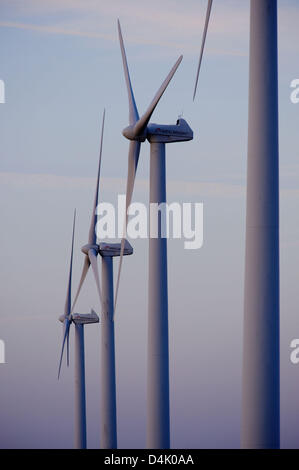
{"points": [[85, 318], [114, 249], [179, 132]]}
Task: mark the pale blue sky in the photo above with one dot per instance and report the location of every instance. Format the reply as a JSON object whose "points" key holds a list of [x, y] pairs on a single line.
{"points": [[61, 64]]}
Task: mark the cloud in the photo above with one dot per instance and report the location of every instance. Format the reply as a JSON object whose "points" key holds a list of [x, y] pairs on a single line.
{"points": [[170, 23], [57, 182], [185, 188], [53, 30]]}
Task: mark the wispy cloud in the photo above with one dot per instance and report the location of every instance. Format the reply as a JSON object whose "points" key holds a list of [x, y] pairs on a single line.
{"points": [[57, 182], [180, 187], [53, 30], [169, 23]]}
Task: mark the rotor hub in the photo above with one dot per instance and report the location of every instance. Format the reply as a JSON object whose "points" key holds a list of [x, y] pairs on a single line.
{"points": [[129, 133], [85, 249]]}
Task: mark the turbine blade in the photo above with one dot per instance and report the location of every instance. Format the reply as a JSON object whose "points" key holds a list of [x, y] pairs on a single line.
{"points": [[209, 7], [94, 264], [133, 158], [65, 336], [83, 276], [92, 238], [67, 308], [133, 112], [68, 350], [143, 121]]}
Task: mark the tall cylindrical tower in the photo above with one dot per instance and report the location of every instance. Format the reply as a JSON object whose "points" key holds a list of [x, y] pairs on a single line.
{"points": [[158, 356], [260, 421], [80, 401], [108, 386]]}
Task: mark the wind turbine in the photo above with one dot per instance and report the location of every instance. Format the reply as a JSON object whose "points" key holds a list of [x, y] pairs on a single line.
{"points": [[107, 251], [79, 321], [139, 129], [261, 371]]}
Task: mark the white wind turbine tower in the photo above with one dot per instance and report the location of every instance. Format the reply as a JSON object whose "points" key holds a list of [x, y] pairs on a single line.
{"points": [[79, 321], [107, 251], [261, 409], [261, 388], [158, 432]]}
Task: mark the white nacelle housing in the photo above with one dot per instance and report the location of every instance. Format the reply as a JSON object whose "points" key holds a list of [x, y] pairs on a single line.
{"points": [[113, 249], [85, 318], [179, 132]]}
